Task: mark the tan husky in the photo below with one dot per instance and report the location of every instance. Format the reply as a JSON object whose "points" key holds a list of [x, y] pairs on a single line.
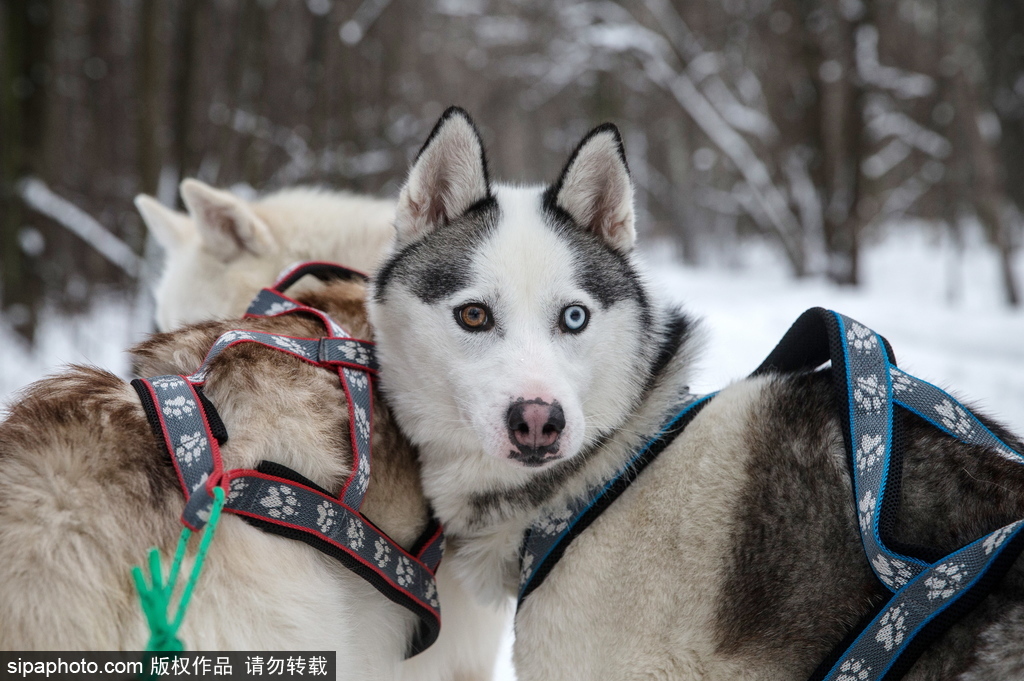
{"points": [[85, 489], [219, 255], [224, 250]]}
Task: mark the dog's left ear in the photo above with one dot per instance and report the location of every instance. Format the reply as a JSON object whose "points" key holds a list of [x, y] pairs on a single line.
{"points": [[448, 177], [595, 190], [226, 224]]}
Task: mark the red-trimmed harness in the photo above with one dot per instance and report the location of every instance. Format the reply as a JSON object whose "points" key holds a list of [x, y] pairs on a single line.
{"points": [[277, 499]]}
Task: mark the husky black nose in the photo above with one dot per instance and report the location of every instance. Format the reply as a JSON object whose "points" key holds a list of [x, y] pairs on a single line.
{"points": [[534, 427]]}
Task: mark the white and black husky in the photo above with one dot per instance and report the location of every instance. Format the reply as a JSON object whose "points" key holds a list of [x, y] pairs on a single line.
{"points": [[524, 355]]}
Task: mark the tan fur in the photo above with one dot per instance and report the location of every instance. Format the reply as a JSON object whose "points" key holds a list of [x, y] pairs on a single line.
{"points": [[197, 284], [219, 255], [84, 490], [655, 558]]}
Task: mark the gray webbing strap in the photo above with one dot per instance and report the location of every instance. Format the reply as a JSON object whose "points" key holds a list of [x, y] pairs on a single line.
{"points": [[304, 509], [928, 596], [180, 419], [923, 591]]}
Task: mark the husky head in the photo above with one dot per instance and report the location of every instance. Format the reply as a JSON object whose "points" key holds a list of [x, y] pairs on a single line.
{"points": [[220, 254], [511, 323]]}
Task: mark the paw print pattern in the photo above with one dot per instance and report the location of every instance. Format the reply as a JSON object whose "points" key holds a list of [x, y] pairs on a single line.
{"points": [[945, 580], [178, 407], [325, 517], [894, 572], [431, 594], [166, 382], [191, 447], [233, 336], [861, 338], [280, 502], [996, 539], [555, 523], [238, 485], [404, 571], [359, 380], [870, 452], [954, 418], [355, 352], [866, 507], [279, 307], [288, 344], [901, 383], [356, 534], [854, 670], [526, 570], [362, 422], [382, 553], [869, 393], [893, 627]]}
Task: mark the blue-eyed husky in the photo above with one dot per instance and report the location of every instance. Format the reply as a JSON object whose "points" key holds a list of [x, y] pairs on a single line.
{"points": [[523, 353]]}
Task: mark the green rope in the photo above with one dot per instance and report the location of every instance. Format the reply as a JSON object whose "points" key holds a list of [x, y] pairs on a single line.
{"points": [[155, 597]]}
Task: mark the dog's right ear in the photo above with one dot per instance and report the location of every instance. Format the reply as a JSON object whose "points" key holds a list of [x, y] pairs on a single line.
{"points": [[226, 224], [447, 178], [171, 229]]}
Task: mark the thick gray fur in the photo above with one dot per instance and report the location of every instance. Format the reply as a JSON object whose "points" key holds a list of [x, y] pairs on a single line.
{"points": [[797, 579]]}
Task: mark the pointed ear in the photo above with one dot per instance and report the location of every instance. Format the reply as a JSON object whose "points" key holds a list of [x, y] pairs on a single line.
{"points": [[226, 223], [448, 177], [595, 190], [171, 229]]}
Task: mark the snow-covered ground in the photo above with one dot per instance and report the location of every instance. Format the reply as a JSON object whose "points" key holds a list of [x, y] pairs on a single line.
{"points": [[940, 307], [938, 304]]}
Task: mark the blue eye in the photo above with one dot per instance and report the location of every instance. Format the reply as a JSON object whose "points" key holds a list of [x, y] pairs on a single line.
{"points": [[574, 319]]}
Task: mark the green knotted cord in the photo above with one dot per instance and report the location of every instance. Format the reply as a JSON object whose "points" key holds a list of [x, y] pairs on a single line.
{"points": [[155, 597]]}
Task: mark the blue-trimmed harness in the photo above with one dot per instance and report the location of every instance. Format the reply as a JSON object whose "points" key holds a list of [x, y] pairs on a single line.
{"points": [[928, 597], [277, 499]]}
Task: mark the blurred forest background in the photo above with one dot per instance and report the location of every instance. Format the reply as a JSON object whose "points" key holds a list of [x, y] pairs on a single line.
{"points": [[811, 124]]}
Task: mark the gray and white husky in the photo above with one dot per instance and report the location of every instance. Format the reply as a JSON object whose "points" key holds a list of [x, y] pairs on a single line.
{"points": [[523, 353]]}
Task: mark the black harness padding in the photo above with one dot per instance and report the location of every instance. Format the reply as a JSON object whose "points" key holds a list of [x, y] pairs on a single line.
{"points": [[324, 271]]}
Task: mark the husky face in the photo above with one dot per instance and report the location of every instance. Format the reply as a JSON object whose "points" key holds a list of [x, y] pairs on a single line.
{"points": [[510, 320]]}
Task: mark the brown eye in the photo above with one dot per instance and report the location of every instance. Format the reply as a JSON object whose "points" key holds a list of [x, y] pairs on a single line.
{"points": [[474, 317]]}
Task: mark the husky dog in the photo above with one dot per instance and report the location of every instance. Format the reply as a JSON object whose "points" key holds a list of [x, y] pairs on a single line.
{"points": [[85, 489], [226, 249], [525, 357], [219, 255]]}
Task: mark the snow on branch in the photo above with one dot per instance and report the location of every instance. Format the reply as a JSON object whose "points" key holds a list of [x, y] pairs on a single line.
{"points": [[302, 160], [905, 84], [770, 201], [912, 133], [353, 30], [901, 199], [610, 28], [704, 68], [38, 196]]}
